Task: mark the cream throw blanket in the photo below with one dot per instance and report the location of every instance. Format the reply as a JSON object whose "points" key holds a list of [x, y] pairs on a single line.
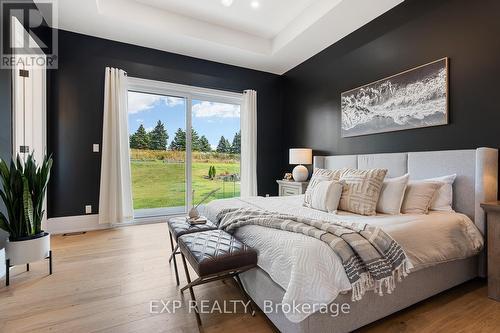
{"points": [[370, 257]]}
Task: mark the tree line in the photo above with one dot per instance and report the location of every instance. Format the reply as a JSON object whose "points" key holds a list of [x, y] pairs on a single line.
{"points": [[157, 139]]}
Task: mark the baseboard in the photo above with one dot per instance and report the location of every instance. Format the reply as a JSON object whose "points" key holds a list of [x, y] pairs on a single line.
{"points": [[67, 224]]}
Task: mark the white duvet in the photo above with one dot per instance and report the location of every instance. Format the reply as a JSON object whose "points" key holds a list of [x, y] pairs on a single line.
{"points": [[311, 273]]}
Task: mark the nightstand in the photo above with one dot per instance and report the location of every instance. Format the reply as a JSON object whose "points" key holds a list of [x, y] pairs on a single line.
{"points": [[287, 187], [492, 210]]}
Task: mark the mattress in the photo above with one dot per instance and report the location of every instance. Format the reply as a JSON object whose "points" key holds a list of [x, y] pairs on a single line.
{"points": [[311, 273]]}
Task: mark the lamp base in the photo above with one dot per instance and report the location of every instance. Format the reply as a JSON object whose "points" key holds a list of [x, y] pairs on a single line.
{"points": [[300, 173]]}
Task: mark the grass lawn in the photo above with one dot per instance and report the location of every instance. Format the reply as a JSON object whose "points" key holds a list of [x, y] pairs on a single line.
{"points": [[160, 183]]}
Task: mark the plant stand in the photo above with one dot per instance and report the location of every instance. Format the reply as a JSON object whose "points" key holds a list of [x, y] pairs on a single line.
{"points": [[8, 266], [2, 259]]}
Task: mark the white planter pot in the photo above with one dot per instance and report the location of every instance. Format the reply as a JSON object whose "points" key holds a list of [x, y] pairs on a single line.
{"points": [[26, 251], [2, 263]]}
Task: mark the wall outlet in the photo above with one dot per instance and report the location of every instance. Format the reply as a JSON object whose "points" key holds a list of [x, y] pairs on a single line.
{"points": [[88, 209], [95, 147]]}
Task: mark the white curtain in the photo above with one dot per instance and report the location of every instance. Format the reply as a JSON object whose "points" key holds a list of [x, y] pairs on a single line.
{"points": [[249, 144], [115, 197]]}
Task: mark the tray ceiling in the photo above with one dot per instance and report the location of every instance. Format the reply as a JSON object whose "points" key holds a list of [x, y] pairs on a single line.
{"points": [[271, 35]]}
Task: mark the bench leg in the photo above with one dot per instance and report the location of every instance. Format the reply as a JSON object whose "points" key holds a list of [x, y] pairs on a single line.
{"points": [[248, 299], [27, 267], [186, 270], [172, 246], [173, 257], [174, 252]]}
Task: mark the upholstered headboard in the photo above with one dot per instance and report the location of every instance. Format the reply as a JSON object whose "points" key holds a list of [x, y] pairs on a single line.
{"points": [[476, 169]]}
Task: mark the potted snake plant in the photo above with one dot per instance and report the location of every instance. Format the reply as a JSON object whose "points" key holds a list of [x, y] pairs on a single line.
{"points": [[23, 189]]}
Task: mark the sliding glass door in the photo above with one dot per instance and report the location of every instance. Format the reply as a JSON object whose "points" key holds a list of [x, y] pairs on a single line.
{"points": [[157, 160], [215, 150], [172, 167]]}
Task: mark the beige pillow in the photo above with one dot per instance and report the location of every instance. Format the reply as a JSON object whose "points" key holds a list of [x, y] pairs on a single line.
{"points": [[319, 175], [361, 190], [419, 195], [326, 196], [392, 195]]}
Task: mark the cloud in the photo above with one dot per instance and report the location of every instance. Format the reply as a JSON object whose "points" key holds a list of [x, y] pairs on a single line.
{"points": [[221, 110], [139, 102], [173, 101], [139, 120]]}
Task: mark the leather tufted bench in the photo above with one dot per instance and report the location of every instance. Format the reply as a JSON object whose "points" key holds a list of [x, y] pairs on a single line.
{"points": [[178, 226], [215, 255]]}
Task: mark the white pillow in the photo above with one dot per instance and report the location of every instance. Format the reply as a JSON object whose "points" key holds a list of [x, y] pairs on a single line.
{"points": [[419, 195], [392, 195], [319, 175], [325, 195], [443, 199]]}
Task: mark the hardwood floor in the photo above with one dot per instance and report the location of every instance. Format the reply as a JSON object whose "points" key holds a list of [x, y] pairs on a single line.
{"points": [[104, 281]]}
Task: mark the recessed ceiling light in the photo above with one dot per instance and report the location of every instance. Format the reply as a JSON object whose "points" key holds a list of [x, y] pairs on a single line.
{"points": [[226, 3], [255, 4]]}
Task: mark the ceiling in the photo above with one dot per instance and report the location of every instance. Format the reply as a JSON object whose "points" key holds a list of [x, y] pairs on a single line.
{"points": [[275, 37], [262, 22]]}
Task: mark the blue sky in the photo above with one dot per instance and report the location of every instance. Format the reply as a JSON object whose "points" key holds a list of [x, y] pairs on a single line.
{"points": [[209, 119]]}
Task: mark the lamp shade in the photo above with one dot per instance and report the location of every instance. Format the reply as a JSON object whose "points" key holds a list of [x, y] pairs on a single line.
{"points": [[300, 156]]}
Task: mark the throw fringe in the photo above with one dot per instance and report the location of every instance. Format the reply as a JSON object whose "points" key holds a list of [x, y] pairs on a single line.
{"points": [[366, 282], [359, 288]]}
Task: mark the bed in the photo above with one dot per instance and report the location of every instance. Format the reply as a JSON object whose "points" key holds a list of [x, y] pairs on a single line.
{"points": [[445, 248]]}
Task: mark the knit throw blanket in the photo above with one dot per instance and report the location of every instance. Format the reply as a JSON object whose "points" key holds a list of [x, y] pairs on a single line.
{"points": [[371, 258]]}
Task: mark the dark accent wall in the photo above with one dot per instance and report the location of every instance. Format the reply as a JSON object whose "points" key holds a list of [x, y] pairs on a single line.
{"points": [[76, 107], [410, 34]]}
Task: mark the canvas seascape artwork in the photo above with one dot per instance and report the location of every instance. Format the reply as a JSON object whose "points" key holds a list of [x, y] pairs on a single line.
{"points": [[412, 99]]}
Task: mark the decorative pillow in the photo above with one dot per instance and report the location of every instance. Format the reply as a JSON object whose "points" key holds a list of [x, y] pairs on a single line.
{"points": [[392, 194], [419, 195], [361, 190], [319, 175], [326, 195], [443, 200]]}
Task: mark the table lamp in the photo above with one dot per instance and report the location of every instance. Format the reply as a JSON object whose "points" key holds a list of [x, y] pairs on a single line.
{"points": [[300, 156]]}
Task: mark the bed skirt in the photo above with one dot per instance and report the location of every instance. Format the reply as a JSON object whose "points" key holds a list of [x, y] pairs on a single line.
{"points": [[414, 288]]}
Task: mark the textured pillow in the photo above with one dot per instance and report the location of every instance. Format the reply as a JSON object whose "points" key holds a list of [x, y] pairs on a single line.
{"points": [[392, 194], [361, 190], [319, 175], [443, 200], [419, 195], [326, 196]]}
